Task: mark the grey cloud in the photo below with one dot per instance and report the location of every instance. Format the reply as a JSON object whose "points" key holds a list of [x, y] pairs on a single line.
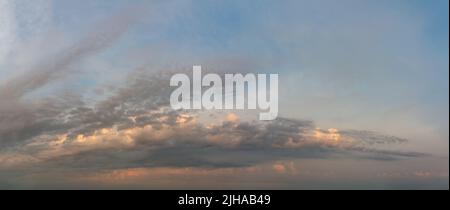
{"points": [[56, 67], [258, 143], [32, 126], [371, 137], [20, 119], [139, 104]]}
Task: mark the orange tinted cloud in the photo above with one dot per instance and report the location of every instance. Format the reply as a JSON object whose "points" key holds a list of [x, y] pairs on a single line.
{"points": [[331, 134], [232, 117], [279, 168]]}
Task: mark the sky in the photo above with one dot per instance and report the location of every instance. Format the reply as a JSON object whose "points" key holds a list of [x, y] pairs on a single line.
{"points": [[363, 94]]}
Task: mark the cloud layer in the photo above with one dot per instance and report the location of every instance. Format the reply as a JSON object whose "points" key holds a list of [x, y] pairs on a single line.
{"points": [[128, 129]]}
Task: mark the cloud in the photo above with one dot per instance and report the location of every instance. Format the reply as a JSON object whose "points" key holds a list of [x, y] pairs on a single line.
{"points": [[21, 119], [131, 131], [136, 128], [56, 67]]}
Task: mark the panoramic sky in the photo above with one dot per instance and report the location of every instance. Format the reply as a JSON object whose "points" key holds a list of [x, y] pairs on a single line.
{"points": [[363, 94]]}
